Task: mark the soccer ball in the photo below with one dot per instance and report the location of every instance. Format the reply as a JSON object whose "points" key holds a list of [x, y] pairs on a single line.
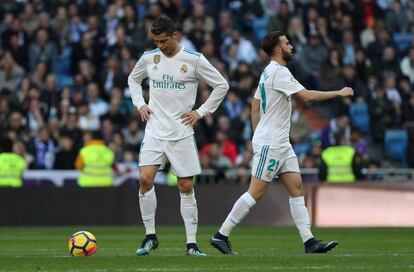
{"points": [[82, 243]]}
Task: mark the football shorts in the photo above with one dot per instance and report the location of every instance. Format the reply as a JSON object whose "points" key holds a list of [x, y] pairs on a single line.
{"points": [[268, 162], [182, 155]]}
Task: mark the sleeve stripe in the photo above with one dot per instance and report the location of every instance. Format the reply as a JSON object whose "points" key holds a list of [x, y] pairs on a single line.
{"points": [[191, 52]]}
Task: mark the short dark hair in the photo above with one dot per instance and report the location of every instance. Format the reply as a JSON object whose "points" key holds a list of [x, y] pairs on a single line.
{"points": [[270, 41], [163, 24]]}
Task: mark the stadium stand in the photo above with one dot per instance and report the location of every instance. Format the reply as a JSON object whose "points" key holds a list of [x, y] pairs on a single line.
{"points": [[64, 64]]}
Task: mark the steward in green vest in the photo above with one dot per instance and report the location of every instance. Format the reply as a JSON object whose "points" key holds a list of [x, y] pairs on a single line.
{"points": [[95, 160], [338, 164], [11, 165]]}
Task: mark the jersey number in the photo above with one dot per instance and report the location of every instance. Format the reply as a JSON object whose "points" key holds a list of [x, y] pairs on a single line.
{"points": [[272, 165]]}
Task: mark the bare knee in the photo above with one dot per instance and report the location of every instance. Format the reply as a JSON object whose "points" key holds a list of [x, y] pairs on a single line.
{"points": [[146, 182], [296, 190], [257, 195], [185, 185], [257, 188]]}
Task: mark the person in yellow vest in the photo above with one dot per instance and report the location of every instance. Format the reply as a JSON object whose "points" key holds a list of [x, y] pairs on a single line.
{"points": [[12, 165], [95, 160], [340, 164]]}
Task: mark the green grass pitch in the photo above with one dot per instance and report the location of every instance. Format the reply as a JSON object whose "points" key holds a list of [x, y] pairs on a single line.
{"points": [[259, 248]]}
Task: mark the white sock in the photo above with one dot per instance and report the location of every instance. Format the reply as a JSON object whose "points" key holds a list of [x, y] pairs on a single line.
{"points": [[300, 216], [240, 209], [148, 205], [189, 212]]}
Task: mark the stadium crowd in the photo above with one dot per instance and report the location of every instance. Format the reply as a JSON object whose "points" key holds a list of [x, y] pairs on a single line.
{"points": [[64, 68]]}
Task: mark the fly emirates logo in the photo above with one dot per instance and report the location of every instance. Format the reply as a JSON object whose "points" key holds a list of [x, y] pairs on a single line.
{"points": [[168, 83]]}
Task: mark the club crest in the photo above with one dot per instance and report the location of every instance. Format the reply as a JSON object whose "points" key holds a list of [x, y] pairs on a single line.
{"points": [[184, 68], [157, 59], [269, 175]]}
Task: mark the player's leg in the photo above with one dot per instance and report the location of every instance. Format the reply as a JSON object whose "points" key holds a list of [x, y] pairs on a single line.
{"points": [[148, 206], [151, 158], [293, 183], [243, 205], [147, 197], [258, 186], [183, 156], [239, 211], [189, 213]]}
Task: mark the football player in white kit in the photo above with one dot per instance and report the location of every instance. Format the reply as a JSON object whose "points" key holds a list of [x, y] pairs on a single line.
{"points": [[174, 73], [273, 153]]}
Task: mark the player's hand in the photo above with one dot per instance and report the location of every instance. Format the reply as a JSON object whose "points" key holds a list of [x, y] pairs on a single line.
{"points": [[190, 118], [345, 92], [145, 112]]}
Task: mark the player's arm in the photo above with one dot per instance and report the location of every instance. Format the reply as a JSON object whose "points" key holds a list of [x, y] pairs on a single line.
{"points": [[208, 73], [255, 113], [134, 81], [312, 95]]}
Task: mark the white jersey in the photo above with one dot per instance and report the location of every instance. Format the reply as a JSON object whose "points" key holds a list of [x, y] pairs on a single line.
{"points": [[173, 90], [274, 91]]}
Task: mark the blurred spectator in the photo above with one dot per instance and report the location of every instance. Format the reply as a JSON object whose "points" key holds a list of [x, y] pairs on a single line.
{"points": [[10, 73], [376, 48], [198, 15], [61, 24], [117, 145], [30, 19], [350, 78], [233, 105], [408, 110], [95, 160], [12, 165], [14, 28], [35, 116], [297, 36], [43, 150], [88, 121], [133, 135], [219, 162], [97, 105], [348, 48], [19, 148], [331, 71], [382, 114], [280, 21], [66, 155], [340, 163], [312, 57], [362, 65], [18, 52], [128, 165], [393, 95], [225, 26], [227, 148], [389, 63], [17, 127], [113, 77], [42, 49], [337, 129], [86, 50], [359, 144], [396, 18], [299, 129], [407, 65]]}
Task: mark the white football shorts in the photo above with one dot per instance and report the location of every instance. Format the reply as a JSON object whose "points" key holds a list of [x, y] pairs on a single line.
{"points": [[268, 162], [182, 155]]}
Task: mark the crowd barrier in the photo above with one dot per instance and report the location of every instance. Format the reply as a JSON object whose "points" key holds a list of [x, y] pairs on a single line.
{"points": [[61, 178], [362, 204]]}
